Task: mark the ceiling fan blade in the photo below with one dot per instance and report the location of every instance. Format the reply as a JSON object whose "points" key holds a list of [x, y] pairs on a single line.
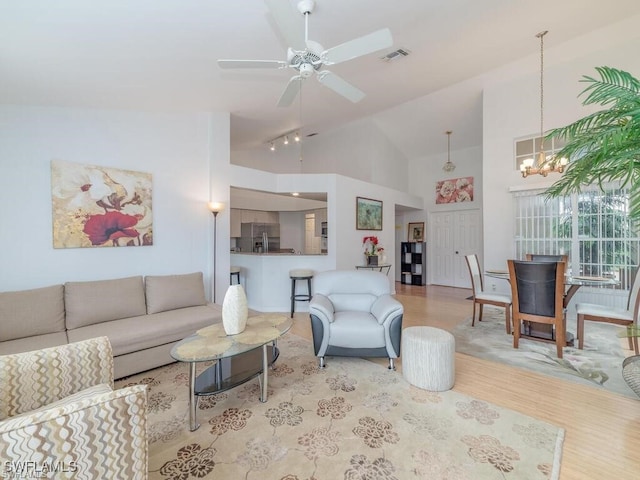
{"points": [[289, 22], [359, 46], [340, 86], [251, 64], [290, 92]]}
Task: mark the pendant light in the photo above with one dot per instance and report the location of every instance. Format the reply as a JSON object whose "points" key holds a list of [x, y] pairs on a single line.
{"points": [[449, 166]]}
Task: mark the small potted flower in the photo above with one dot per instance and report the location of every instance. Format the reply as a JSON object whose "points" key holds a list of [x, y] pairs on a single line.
{"points": [[371, 249]]}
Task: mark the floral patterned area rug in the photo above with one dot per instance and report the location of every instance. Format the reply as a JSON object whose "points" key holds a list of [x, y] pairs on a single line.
{"points": [[598, 364], [352, 420]]}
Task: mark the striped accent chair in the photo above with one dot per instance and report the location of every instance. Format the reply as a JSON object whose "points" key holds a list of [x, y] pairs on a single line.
{"points": [[58, 409]]}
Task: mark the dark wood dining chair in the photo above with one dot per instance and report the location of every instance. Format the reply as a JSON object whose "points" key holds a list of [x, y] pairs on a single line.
{"points": [[481, 298], [537, 291], [619, 316], [536, 257]]}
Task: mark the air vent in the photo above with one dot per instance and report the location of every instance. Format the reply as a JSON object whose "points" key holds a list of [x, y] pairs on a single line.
{"points": [[396, 54]]}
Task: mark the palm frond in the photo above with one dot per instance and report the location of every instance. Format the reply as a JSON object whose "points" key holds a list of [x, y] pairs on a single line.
{"points": [[613, 86], [604, 146]]}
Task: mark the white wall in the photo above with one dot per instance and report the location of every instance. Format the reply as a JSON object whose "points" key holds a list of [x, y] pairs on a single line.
{"points": [[344, 241], [292, 230], [512, 110], [358, 149], [174, 148]]}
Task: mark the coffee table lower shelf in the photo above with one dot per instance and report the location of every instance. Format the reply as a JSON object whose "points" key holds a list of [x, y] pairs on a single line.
{"points": [[229, 372]]}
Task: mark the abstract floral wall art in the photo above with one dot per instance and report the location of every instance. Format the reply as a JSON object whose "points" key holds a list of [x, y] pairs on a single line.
{"points": [[99, 206], [454, 190]]}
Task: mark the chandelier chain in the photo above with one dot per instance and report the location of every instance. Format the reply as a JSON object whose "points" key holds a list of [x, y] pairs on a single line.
{"points": [[541, 35]]}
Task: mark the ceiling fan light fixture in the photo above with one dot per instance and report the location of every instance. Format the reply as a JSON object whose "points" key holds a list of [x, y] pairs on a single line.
{"points": [[286, 140], [296, 137], [307, 57], [272, 147]]}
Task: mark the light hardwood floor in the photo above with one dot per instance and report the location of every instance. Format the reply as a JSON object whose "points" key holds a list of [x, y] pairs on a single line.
{"points": [[602, 429]]}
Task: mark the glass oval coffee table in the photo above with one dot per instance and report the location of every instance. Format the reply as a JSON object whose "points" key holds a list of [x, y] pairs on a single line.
{"points": [[238, 358]]}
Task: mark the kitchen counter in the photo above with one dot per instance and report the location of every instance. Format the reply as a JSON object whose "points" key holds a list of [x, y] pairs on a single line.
{"points": [[265, 277], [280, 253]]}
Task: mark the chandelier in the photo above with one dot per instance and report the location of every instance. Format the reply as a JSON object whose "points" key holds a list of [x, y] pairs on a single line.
{"points": [[448, 166], [542, 164]]}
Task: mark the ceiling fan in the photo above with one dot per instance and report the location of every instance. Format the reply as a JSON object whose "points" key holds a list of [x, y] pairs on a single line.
{"points": [[307, 57]]}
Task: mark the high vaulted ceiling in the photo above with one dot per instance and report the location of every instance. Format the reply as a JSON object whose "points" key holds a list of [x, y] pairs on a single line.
{"points": [[160, 55]]}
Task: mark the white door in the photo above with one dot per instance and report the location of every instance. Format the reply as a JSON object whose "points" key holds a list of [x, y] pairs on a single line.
{"points": [[311, 242], [441, 228], [454, 235]]}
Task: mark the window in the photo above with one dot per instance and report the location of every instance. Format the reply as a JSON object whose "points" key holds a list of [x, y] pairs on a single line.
{"points": [[592, 227], [529, 146]]}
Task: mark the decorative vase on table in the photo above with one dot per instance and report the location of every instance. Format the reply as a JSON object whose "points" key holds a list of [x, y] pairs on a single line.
{"points": [[372, 260], [234, 310]]}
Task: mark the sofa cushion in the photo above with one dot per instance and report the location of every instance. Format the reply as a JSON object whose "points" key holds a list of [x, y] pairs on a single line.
{"points": [[356, 330], [168, 292], [35, 342], [88, 303], [31, 312], [139, 333]]}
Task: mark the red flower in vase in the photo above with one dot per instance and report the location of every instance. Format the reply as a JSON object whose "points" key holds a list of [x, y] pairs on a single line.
{"points": [[371, 246]]}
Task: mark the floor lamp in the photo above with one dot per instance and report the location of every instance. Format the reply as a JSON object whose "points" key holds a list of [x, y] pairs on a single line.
{"points": [[216, 208]]}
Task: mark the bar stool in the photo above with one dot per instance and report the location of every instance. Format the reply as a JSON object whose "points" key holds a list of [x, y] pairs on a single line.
{"points": [[300, 274], [234, 271]]}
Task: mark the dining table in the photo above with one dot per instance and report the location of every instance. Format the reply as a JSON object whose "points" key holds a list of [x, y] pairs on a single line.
{"points": [[545, 332]]}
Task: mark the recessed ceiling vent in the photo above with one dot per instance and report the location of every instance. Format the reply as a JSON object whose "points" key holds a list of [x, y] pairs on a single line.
{"points": [[396, 54]]}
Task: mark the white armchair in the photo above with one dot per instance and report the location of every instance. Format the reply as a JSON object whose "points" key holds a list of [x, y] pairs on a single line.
{"points": [[353, 314], [58, 411]]}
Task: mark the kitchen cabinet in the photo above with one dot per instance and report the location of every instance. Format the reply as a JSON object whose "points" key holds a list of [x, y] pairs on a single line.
{"points": [[240, 216], [235, 221], [320, 216], [260, 216]]}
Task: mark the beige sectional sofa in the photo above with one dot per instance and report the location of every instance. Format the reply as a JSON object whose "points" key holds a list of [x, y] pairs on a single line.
{"points": [[142, 317]]}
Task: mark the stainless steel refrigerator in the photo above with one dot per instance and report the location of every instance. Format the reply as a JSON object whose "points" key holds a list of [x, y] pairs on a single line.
{"points": [[260, 237]]}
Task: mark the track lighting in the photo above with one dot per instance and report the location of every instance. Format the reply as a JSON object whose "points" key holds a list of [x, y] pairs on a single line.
{"points": [[284, 139]]}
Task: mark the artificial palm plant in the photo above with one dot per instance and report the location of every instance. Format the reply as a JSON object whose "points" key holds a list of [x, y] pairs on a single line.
{"points": [[604, 146]]}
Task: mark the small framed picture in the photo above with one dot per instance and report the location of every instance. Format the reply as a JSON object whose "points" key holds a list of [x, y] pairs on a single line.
{"points": [[368, 214], [416, 232]]}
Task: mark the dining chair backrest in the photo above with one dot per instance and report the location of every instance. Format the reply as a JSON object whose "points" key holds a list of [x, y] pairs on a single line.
{"points": [[535, 257], [538, 287], [474, 271], [633, 302]]}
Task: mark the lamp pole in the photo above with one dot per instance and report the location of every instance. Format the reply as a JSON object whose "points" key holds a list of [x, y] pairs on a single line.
{"points": [[216, 208]]}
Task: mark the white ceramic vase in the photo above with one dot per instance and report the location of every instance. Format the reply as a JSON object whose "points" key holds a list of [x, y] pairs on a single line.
{"points": [[234, 310]]}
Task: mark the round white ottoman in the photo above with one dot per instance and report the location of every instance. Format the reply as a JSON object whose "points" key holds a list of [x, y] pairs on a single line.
{"points": [[428, 358]]}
